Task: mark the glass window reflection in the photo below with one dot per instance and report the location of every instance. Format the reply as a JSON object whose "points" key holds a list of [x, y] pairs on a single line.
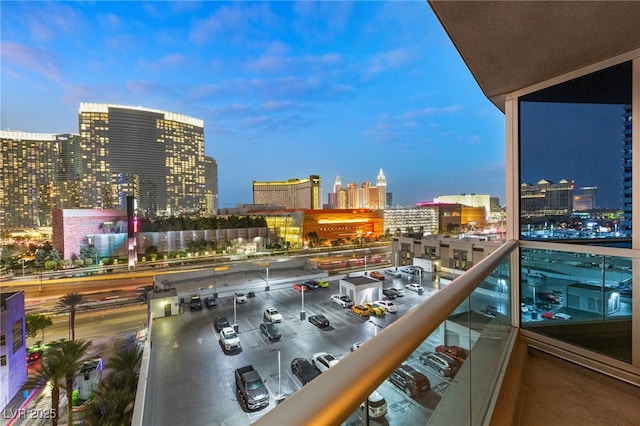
{"points": [[575, 159]]}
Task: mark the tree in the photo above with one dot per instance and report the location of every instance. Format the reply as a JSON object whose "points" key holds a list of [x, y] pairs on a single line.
{"points": [[74, 354], [116, 396], [70, 302], [37, 322], [51, 372]]}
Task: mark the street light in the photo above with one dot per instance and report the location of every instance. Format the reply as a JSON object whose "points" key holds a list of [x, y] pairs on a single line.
{"points": [[302, 312]]}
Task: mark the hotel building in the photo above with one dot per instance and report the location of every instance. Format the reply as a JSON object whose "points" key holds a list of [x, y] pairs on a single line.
{"points": [[292, 194]]}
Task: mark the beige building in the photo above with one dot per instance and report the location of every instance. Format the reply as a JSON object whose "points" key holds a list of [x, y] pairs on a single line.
{"points": [[292, 194]]}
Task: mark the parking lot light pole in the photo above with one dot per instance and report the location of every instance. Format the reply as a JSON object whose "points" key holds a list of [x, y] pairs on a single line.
{"points": [[302, 312], [235, 322]]}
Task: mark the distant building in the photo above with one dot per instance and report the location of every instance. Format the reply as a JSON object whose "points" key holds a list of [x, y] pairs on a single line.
{"points": [[365, 196], [13, 348], [293, 193], [155, 156], [490, 204], [546, 201]]}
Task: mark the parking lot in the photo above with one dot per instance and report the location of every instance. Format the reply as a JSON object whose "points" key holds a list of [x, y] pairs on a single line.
{"points": [[191, 379]]}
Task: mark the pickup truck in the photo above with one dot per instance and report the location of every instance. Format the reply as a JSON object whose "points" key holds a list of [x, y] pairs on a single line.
{"points": [[251, 388]]}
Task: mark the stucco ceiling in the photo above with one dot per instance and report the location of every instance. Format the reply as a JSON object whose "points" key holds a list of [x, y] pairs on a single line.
{"points": [[508, 45]]}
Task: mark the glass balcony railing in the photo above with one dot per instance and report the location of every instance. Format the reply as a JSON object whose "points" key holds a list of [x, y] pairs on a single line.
{"points": [[440, 363], [583, 299]]}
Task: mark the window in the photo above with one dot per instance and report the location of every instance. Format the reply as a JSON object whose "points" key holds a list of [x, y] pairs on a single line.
{"points": [[3, 360], [16, 331], [575, 159], [3, 339]]}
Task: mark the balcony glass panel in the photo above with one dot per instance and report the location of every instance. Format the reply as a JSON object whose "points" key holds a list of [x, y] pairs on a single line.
{"points": [[575, 150], [583, 299], [473, 343]]}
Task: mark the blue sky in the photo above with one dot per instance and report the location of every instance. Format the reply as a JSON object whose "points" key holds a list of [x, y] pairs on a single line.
{"points": [[285, 89]]}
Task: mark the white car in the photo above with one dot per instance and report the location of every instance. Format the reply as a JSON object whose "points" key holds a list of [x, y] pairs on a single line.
{"points": [[323, 361], [229, 339], [241, 298], [394, 273], [415, 287], [387, 305], [561, 316], [272, 315], [342, 300], [377, 405]]}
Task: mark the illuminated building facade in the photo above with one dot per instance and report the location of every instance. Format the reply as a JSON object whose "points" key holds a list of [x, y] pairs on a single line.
{"points": [[433, 218], [171, 179], [490, 204], [546, 201], [13, 348], [292, 194], [37, 172]]}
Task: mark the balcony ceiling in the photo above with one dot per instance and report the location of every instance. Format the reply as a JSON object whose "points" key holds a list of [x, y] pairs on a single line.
{"points": [[508, 45]]}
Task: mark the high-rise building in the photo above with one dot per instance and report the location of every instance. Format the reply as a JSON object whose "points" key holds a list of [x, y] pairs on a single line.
{"points": [[292, 194], [115, 138], [211, 185], [37, 171], [367, 196], [546, 201]]}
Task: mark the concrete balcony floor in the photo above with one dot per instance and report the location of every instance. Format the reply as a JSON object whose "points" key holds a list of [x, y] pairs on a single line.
{"points": [[540, 389]]}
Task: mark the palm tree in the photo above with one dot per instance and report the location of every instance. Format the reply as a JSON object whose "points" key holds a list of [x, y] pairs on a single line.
{"points": [[74, 354], [69, 302], [52, 372], [115, 399]]}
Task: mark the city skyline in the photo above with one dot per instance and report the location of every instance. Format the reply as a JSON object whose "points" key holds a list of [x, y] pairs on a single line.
{"points": [[285, 89]]}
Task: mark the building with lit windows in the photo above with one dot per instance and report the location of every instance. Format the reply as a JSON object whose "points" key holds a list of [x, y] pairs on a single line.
{"points": [[433, 218], [546, 201], [490, 204], [170, 180], [210, 185], [292, 194], [37, 171]]}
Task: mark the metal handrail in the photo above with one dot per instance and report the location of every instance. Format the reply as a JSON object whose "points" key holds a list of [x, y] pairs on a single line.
{"points": [[334, 395]]}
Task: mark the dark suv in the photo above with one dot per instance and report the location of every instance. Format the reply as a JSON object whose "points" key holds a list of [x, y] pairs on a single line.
{"points": [[196, 303], [410, 380]]}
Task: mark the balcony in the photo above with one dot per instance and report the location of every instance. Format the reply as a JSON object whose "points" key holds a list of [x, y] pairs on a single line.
{"points": [[510, 376]]}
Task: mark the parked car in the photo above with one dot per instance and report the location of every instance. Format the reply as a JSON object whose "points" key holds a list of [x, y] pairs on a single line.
{"points": [[399, 291], [561, 316], [270, 331], [377, 275], [389, 294], [388, 306], [196, 303], [491, 310], [408, 270], [363, 311], [319, 321], [524, 308], [304, 370], [210, 302], [547, 315], [241, 298], [443, 364], [416, 287], [312, 285], [341, 300], [272, 315], [374, 309], [409, 380], [455, 352], [323, 284], [356, 345], [300, 287], [323, 361], [229, 340], [394, 273], [548, 297], [377, 405], [220, 323]]}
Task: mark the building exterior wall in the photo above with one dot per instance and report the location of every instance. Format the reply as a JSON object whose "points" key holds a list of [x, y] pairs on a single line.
{"points": [[13, 350], [293, 194]]}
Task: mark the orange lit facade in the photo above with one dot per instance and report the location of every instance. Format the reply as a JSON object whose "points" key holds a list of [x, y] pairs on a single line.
{"points": [[343, 225]]}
